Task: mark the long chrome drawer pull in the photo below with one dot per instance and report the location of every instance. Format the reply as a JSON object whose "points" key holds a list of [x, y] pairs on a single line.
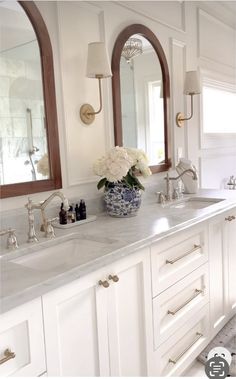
{"points": [[174, 361], [196, 293], [195, 247], [8, 354]]}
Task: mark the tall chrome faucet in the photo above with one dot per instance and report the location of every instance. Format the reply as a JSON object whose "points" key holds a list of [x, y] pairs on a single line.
{"points": [[42, 205], [168, 196]]}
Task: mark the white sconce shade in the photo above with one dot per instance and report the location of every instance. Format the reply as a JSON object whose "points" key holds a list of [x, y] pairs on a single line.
{"points": [[98, 65], [192, 83]]}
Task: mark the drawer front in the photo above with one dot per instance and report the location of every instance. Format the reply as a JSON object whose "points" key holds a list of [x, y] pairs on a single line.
{"points": [[175, 355], [174, 307], [177, 256], [22, 341]]}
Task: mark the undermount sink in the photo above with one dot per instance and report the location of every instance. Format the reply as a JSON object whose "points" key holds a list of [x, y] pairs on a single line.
{"points": [[64, 255], [194, 203]]}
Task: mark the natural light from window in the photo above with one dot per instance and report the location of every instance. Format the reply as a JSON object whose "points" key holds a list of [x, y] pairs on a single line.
{"points": [[156, 124], [219, 110]]}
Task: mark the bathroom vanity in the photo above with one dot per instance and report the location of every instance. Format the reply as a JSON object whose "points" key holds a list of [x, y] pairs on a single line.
{"points": [[121, 297]]}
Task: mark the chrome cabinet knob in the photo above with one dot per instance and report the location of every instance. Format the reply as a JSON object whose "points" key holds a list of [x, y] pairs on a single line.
{"points": [[115, 278], [104, 283]]}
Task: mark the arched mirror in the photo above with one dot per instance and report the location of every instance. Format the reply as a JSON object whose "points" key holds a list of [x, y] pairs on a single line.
{"points": [[141, 92], [29, 145]]}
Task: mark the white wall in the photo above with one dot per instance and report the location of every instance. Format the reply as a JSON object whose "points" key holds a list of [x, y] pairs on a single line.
{"points": [[190, 38]]}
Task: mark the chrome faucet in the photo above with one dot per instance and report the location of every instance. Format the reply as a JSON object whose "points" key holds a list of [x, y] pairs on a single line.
{"points": [[42, 205], [169, 195], [195, 177]]}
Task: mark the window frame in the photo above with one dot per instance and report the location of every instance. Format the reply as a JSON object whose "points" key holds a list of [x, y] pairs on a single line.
{"points": [[215, 140]]}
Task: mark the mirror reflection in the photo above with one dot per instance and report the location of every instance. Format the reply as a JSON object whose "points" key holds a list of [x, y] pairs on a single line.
{"points": [[23, 135], [142, 108]]}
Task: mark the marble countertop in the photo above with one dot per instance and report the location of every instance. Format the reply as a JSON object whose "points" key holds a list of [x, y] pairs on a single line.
{"points": [[99, 243]]}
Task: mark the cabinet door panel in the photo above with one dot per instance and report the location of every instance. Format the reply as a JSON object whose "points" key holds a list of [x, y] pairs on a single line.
{"points": [[130, 316], [218, 274], [72, 321], [231, 248]]}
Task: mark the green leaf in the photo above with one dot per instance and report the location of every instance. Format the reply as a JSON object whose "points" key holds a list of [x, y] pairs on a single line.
{"points": [[132, 181], [101, 183]]}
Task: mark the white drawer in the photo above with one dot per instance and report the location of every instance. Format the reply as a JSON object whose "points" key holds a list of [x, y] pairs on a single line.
{"points": [[173, 307], [178, 255], [177, 353], [21, 333]]}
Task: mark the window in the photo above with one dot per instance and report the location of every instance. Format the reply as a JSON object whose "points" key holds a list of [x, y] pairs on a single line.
{"points": [[219, 107], [156, 120]]}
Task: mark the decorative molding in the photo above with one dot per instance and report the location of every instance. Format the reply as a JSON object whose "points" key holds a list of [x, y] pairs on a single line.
{"points": [[215, 20], [148, 16], [217, 67], [90, 6], [181, 45], [85, 180], [101, 30]]}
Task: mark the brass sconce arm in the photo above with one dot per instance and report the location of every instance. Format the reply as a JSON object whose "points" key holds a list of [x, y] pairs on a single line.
{"points": [[87, 113], [191, 87], [180, 118]]}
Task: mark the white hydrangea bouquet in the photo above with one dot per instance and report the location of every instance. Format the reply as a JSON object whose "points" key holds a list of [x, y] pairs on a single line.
{"points": [[121, 165]]}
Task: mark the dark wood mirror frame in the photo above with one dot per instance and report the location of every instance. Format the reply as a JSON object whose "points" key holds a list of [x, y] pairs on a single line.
{"points": [[54, 182], [116, 56]]}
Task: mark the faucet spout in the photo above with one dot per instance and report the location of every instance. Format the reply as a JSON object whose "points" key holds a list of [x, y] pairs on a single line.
{"points": [[44, 204], [169, 178], [55, 194], [194, 174]]}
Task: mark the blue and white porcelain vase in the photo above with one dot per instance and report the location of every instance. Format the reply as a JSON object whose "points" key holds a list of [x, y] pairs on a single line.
{"points": [[121, 200]]}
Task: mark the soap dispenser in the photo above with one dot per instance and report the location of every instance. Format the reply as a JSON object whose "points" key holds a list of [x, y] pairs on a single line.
{"points": [[62, 215]]}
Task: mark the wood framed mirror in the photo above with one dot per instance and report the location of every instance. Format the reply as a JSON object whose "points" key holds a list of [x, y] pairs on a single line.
{"points": [[141, 92], [29, 142]]}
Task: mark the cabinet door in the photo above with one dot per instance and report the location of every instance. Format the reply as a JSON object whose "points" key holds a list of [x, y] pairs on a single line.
{"points": [[75, 318], [230, 241], [21, 333], [130, 316], [218, 274]]}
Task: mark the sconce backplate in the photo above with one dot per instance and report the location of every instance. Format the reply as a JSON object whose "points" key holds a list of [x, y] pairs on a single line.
{"points": [[180, 120], [87, 114]]}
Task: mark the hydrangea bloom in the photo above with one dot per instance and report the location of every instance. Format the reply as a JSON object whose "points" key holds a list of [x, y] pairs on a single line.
{"points": [[119, 165]]}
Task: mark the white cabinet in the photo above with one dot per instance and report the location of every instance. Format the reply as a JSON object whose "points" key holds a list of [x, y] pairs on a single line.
{"points": [[222, 269], [144, 315], [177, 255], [218, 268], [22, 341], [174, 307], [104, 329], [180, 350]]}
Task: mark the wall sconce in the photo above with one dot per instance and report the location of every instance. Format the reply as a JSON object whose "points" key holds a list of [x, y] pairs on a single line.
{"points": [[191, 87], [98, 67]]}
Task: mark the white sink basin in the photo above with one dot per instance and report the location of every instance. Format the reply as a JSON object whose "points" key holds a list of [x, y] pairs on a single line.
{"points": [[64, 255], [194, 203]]}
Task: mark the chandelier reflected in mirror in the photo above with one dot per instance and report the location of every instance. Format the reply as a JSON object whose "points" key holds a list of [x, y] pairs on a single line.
{"points": [[132, 48]]}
